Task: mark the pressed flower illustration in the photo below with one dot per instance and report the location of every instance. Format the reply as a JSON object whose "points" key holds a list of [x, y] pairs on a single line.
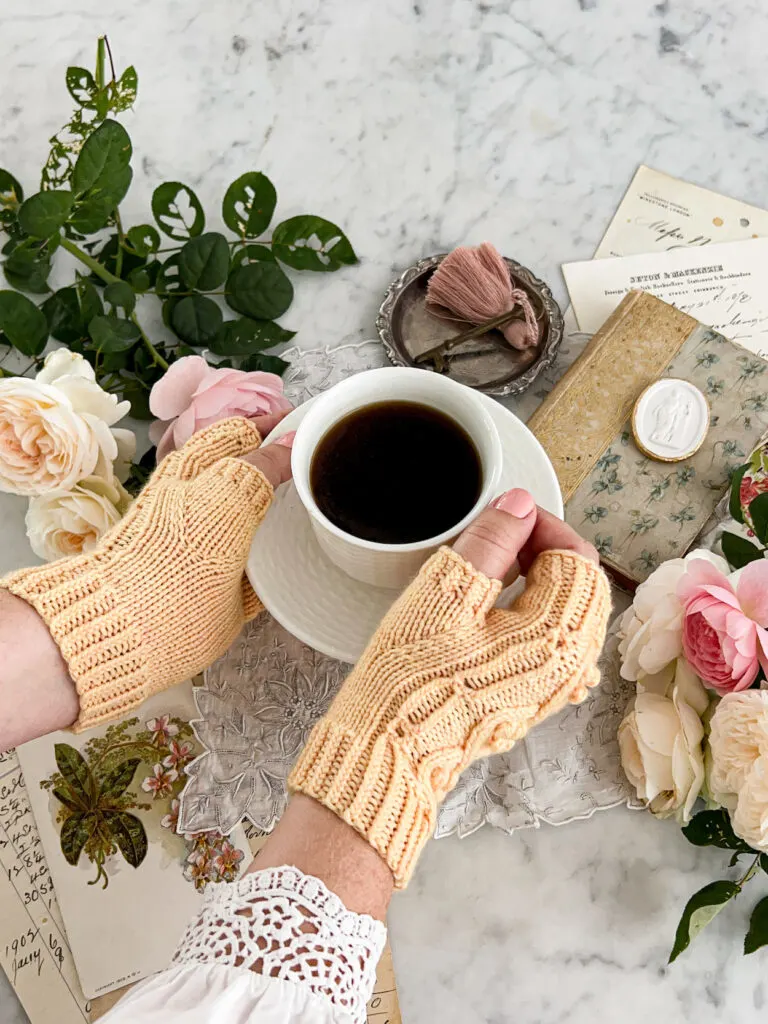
{"points": [[160, 783], [180, 755], [162, 729]]}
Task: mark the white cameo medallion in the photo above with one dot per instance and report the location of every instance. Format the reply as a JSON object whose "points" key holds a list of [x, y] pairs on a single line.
{"points": [[670, 420]]}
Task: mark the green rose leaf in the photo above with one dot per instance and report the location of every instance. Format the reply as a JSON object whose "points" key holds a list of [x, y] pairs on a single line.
{"points": [[11, 192], [74, 836], [81, 87], [713, 828], [120, 293], [248, 204], [764, 862], [124, 94], [734, 501], [204, 261], [245, 336], [196, 319], [23, 323], [28, 271], [92, 213], [62, 311], [738, 551], [758, 511], [169, 277], [757, 936], [110, 334], [311, 243], [259, 290], [116, 782], [177, 210], [89, 299], [268, 364], [44, 213], [252, 253], [143, 239], [103, 159], [75, 771], [129, 835], [700, 909], [139, 280]]}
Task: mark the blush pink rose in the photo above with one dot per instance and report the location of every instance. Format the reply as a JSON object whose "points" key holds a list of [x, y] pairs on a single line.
{"points": [[724, 635], [192, 395]]}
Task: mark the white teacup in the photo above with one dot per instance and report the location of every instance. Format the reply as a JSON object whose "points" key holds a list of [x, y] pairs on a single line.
{"points": [[391, 565]]}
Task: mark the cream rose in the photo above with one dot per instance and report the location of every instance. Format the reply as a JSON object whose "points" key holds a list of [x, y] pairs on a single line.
{"points": [[738, 737], [660, 741], [73, 522], [55, 430], [750, 819], [652, 629]]}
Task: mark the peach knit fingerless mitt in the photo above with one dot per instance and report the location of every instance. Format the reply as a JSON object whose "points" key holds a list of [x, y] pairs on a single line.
{"points": [[164, 593], [447, 679]]}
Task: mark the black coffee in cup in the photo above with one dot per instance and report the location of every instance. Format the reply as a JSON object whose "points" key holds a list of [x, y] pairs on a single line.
{"points": [[396, 473]]}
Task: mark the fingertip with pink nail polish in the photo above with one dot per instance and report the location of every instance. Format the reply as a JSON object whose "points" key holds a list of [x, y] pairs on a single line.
{"points": [[515, 502], [287, 439]]}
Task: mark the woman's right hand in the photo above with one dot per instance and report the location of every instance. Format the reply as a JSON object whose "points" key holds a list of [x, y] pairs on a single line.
{"points": [[448, 678]]}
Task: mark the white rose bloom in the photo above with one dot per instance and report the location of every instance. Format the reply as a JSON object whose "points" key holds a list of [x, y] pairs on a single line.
{"points": [[750, 819], [660, 743], [72, 522], [738, 737], [55, 430], [652, 628]]}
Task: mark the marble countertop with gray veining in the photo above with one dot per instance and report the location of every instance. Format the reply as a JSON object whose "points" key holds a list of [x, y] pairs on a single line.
{"points": [[420, 124]]}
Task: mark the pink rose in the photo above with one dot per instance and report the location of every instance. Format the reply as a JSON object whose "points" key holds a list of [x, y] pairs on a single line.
{"points": [[724, 638], [192, 395]]}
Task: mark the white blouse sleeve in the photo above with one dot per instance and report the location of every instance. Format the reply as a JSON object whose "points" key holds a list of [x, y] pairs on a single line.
{"points": [[276, 947]]}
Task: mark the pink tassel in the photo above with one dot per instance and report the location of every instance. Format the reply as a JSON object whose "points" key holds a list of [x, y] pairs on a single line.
{"points": [[473, 284]]}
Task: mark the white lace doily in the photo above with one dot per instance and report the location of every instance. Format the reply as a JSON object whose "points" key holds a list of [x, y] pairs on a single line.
{"points": [[284, 924], [261, 699]]}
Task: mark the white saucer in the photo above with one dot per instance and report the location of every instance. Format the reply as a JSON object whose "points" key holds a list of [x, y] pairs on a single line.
{"points": [[320, 604]]}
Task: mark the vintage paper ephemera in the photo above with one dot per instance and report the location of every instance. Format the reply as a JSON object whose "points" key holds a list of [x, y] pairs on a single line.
{"points": [[127, 888], [659, 213], [722, 286]]}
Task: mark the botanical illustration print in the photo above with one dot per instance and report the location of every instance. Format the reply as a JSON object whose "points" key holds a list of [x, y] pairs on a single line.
{"points": [[107, 795], [639, 512]]}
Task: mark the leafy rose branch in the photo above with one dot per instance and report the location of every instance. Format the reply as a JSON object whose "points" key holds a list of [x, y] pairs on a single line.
{"points": [[196, 280]]}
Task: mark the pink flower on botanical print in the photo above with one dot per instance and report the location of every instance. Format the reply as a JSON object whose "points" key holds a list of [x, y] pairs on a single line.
{"points": [[161, 782], [227, 861], [179, 756], [171, 820], [199, 867], [162, 729], [724, 635]]}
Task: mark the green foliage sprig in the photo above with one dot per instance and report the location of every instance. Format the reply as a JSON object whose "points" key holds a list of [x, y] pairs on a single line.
{"points": [[197, 281]]}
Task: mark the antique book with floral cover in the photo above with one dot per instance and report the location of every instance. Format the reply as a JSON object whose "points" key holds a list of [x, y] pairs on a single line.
{"points": [[637, 511]]}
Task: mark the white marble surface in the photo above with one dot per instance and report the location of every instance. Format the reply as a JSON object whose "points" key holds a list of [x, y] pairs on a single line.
{"points": [[419, 124]]}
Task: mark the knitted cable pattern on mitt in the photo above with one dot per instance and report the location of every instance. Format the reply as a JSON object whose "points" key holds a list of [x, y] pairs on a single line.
{"points": [[164, 593], [447, 679]]}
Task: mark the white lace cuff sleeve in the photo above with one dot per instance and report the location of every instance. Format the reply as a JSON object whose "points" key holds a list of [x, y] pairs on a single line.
{"points": [[286, 943]]}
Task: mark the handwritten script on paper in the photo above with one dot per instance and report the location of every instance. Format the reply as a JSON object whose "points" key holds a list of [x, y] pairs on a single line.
{"points": [[722, 286], [659, 212], [34, 952]]}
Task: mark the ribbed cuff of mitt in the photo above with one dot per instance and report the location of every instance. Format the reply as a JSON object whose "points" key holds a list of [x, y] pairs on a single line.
{"points": [[99, 640]]}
